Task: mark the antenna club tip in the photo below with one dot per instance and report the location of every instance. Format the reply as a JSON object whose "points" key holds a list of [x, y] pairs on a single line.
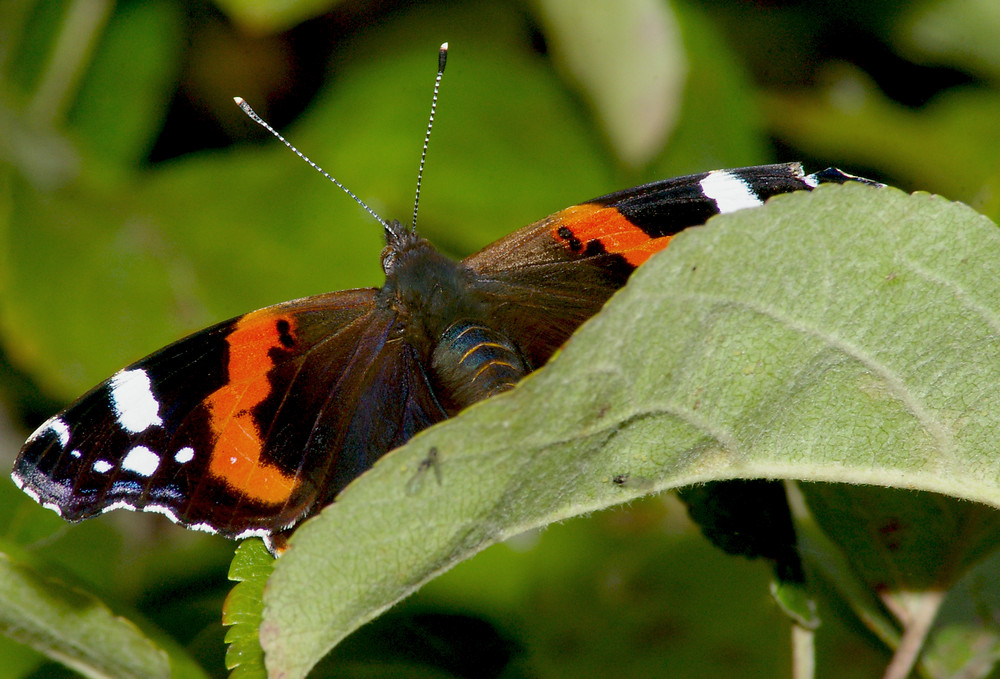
{"points": [[442, 57], [238, 100]]}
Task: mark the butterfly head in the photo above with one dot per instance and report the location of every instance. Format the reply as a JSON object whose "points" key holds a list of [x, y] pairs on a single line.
{"points": [[398, 239]]}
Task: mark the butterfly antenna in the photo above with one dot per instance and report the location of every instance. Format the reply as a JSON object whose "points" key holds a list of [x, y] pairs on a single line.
{"points": [[442, 60], [260, 121]]}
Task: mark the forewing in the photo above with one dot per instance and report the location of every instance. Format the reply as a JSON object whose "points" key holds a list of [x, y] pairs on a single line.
{"points": [[545, 279], [237, 429]]}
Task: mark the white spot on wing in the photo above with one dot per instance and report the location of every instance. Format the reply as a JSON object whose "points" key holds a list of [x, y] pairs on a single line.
{"points": [[184, 455], [142, 461], [102, 467], [159, 509], [120, 504], [30, 492], [729, 192], [253, 533], [76, 453], [132, 398], [162, 509], [57, 426]]}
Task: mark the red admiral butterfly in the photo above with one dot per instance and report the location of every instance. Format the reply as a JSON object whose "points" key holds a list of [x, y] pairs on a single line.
{"points": [[252, 425]]}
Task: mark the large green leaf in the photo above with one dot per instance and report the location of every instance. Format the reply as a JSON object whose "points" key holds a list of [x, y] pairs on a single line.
{"points": [[273, 15], [73, 627], [634, 86], [959, 33], [845, 335]]}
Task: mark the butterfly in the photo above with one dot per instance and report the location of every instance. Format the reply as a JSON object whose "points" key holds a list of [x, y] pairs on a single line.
{"points": [[250, 426]]}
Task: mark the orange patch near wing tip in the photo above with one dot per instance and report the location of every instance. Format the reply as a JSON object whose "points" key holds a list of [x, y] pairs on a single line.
{"points": [[592, 222], [236, 456]]}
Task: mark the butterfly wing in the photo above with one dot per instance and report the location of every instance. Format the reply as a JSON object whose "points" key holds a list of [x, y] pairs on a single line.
{"points": [[241, 429], [545, 279]]}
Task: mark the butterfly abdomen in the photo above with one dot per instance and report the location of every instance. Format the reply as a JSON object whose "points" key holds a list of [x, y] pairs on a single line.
{"points": [[472, 361]]}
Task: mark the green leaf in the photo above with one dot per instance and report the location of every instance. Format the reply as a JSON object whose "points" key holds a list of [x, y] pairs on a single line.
{"points": [[845, 335], [965, 640], [901, 541], [251, 567], [716, 82], [123, 97], [634, 85], [274, 16], [74, 628], [959, 33], [796, 602], [909, 548], [947, 146]]}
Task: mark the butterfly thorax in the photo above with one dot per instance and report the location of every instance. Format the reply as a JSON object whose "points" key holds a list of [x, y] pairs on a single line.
{"points": [[444, 317]]}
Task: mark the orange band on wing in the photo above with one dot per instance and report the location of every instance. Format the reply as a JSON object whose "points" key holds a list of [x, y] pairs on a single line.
{"points": [[578, 226], [236, 456]]}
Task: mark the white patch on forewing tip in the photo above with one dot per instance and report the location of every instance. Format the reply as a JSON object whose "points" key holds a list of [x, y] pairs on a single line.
{"points": [[184, 455], [142, 461], [132, 398], [56, 425], [729, 192], [102, 467]]}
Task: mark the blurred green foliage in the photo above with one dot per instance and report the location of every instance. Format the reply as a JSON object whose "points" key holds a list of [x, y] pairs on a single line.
{"points": [[138, 204]]}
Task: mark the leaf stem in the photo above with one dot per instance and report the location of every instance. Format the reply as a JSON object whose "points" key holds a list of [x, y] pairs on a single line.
{"points": [[922, 611], [69, 58], [803, 652]]}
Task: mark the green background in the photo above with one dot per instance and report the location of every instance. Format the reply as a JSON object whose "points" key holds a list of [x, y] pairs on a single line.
{"points": [[138, 204]]}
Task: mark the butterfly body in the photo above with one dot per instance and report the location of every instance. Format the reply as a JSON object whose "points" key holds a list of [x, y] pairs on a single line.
{"points": [[250, 426], [442, 312]]}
